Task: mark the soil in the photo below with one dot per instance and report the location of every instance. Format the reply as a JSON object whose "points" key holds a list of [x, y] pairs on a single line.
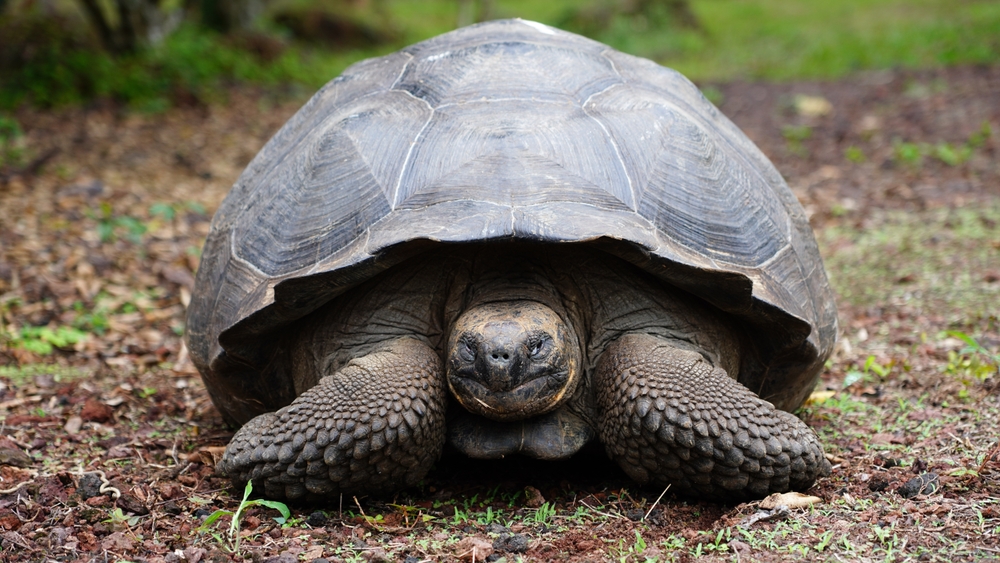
{"points": [[108, 442]]}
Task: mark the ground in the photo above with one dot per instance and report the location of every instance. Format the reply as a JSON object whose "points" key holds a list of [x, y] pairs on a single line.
{"points": [[108, 440]]}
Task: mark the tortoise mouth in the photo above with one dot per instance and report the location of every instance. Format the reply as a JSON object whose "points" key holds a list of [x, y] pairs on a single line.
{"points": [[534, 397]]}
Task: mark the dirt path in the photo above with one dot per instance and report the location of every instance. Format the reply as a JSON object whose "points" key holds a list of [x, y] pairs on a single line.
{"points": [[107, 438]]}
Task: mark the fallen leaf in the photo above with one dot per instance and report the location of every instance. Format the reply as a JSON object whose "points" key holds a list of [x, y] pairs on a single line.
{"points": [[812, 106], [820, 397], [208, 455], [314, 552], [73, 425], [473, 549], [791, 500]]}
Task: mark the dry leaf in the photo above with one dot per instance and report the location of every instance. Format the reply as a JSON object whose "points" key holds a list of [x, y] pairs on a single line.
{"points": [[791, 500], [812, 106], [820, 397], [473, 549], [208, 455]]}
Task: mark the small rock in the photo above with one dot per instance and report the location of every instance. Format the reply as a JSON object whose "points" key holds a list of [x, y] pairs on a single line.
{"points": [[514, 543], [13, 456], [98, 501], [95, 411], [495, 528], [635, 515], [533, 497], [58, 536], [925, 484], [378, 555], [119, 542], [90, 486], [283, 557], [8, 520], [411, 559], [45, 381], [194, 554], [877, 484], [73, 425], [740, 548], [317, 519]]}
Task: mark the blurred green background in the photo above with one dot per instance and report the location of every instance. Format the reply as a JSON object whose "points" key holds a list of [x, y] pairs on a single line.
{"points": [[151, 54]]}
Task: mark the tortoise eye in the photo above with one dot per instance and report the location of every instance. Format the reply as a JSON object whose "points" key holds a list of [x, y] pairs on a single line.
{"points": [[539, 346], [466, 350]]}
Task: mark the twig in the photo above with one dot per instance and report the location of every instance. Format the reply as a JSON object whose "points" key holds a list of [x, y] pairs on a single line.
{"points": [[358, 504], [106, 486], [988, 458], [650, 511], [21, 484], [32, 168], [608, 514]]}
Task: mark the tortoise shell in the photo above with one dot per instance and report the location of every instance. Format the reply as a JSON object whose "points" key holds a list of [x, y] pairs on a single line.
{"points": [[509, 130]]}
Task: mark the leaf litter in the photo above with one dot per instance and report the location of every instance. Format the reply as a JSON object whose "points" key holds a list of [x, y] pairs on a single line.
{"points": [[108, 441]]}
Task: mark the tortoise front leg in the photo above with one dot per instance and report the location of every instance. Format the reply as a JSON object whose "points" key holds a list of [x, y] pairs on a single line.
{"points": [[375, 425], [667, 416]]}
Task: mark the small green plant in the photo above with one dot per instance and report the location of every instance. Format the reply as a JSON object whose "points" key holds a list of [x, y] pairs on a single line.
{"points": [[487, 517], [12, 149], [855, 155], [952, 155], [625, 553], [43, 340], [111, 226], [973, 361], [94, 320], [118, 518], [795, 138], [865, 372], [824, 541], [640, 544], [232, 544], [910, 154], [168, 211], [543, 514], [978, 138], [913, 154]]}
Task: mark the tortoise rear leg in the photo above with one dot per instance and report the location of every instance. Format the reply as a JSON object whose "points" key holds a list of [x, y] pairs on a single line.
{"points": [[375, 425], [668, 416]]}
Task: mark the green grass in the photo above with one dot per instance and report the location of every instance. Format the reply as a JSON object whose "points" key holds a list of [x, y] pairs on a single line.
{"points": [[768, 39], [778, 39], [933, 262]]}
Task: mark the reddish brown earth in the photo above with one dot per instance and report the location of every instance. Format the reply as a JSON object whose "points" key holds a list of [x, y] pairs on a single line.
{"points": [[107, 445]]}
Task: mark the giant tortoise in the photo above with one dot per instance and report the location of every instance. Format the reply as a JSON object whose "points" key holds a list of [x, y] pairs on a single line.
{"points": [[512, 240]]}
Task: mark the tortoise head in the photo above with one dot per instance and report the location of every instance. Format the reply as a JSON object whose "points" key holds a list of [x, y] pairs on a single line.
{"points": [[512, 360]]}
